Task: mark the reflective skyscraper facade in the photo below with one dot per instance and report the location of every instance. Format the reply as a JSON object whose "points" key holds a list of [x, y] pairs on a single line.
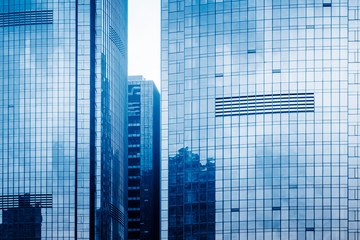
{"points": [[63, 121], [144, 159], [269, 92]]}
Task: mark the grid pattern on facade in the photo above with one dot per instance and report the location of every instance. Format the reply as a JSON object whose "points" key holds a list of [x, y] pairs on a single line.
{"points": [[265, 104], [134, 160], [278, 176], [143, 158], [63, 121], [26, 18]]}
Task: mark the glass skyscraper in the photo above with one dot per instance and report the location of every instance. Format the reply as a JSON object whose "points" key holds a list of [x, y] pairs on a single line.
{"points": [[63, 121], [266, 93], [144, 159]]}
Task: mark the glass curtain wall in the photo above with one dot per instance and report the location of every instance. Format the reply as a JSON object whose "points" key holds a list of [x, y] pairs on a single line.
{"points": [[63, 132], [269, 92]]}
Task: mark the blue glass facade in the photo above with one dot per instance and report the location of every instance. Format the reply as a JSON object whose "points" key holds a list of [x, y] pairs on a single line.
{"points": [[144, 159], [269, 92], [63, 121]]}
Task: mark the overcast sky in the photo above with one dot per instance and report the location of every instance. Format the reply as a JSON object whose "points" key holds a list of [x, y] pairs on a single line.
{"points": [[144, 39]]}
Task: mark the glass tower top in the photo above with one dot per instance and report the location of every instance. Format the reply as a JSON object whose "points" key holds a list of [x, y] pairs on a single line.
{"points": [[260, 119]]}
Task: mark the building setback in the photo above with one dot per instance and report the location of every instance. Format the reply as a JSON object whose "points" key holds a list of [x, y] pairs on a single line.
{"points": [[144, 159], [63, 119], [260, 119]]}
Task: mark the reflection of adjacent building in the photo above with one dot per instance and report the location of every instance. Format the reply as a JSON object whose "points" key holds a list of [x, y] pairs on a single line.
{"points": [[21, 216], [143, 159], [191, 196]]}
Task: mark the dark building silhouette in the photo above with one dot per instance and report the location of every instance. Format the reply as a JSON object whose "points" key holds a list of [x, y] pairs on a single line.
{"points": [[191, 196], [144, 159], [23, 221]]}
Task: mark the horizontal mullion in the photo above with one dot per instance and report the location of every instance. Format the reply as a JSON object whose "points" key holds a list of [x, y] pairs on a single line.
{"points": [[300, 101], [276, 94], [267, 110], [25, 18], [27, 12], [266, 103], [266, 106], [243, 114], [266, 99], [25, 24]]}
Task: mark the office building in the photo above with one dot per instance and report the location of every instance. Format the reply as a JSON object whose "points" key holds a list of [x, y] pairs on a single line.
{"points": [[144, 159], [63, 119], [268, 92]]}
